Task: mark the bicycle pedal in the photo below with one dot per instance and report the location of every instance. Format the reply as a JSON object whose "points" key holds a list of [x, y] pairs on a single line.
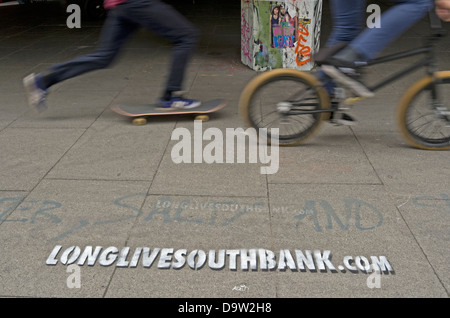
{"points": [[335, 123], [342, 119]]}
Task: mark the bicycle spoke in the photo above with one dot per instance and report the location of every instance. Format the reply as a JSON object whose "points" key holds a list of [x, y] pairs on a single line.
{"points": [[288, 103], [427, 123]]}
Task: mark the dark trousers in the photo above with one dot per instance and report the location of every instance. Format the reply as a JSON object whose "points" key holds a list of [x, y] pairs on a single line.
{"points": [[120, 23]]}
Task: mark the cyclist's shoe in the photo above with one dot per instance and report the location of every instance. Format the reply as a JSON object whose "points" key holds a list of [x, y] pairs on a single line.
{"points": [[349, 78], [326, 53], [35, 92], [342, 119], [347, 58], [344, 68]]}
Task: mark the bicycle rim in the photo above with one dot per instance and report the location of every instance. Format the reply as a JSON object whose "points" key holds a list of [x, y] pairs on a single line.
{"points": [[423, 123]]}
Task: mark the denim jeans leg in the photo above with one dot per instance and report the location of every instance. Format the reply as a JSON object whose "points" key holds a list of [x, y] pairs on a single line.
{"points": [[394, 22], [348, 20], [115, 31], [165, 21]]}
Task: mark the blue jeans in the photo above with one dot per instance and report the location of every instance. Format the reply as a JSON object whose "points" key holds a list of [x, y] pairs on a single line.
{"points": [[120, 23], [348, 19]]}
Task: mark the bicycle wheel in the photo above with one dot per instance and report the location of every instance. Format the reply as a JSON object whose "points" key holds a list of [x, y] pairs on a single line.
{"points": [[424, 121], [289, 100]]}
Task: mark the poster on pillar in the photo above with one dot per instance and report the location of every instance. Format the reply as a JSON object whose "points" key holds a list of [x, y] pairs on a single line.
{"points": [[280, 34]]}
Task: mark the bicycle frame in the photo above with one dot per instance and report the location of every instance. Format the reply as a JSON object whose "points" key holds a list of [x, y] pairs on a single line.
{"points": [[428, 61]]}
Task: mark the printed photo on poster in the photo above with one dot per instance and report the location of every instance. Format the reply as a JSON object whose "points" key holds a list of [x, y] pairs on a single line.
{"points": [[283, 26]]}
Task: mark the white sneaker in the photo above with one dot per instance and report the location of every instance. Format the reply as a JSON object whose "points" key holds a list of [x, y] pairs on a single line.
{"points": [[36, 96]]}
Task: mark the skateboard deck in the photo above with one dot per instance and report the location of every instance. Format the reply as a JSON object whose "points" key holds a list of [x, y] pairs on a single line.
{"points": [[140, 111]]}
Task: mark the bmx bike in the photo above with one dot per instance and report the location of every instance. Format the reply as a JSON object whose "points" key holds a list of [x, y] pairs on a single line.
{"points": [[296, 102]]}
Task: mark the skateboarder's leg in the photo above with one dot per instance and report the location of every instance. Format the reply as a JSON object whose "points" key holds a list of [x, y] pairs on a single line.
{"points": [[114, 33], [348, 20]]}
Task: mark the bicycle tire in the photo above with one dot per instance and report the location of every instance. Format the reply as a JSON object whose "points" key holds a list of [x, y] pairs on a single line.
{"points": [[428, 120], [276, 79]]}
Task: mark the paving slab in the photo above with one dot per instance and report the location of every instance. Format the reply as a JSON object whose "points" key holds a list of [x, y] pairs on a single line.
{"points": [[58, 212], [349, 219], [107, 151], [194, 223], [69, 109], [13, 106], [29, 154]]}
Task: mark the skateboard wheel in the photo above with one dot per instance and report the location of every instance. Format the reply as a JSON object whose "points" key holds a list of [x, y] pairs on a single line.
{"points": [[202, 117], [140, 121]]}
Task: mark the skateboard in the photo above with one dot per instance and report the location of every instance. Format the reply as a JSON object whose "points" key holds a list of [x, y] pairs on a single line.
{"points": [[140, 112]]}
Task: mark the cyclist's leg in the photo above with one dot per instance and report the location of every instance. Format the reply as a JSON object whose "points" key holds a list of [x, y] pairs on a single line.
{"points": [[394, 22], [372, 41], [348, 22]]}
